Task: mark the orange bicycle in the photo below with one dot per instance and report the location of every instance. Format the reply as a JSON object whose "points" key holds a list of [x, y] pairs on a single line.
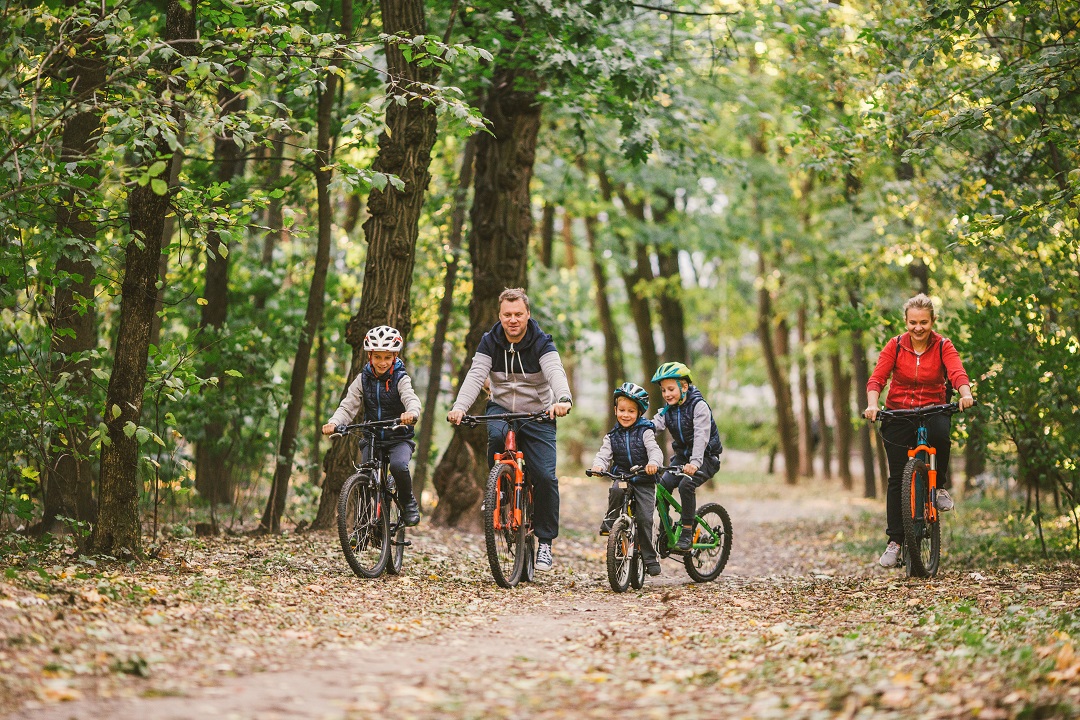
{"points": [[508, 503]]}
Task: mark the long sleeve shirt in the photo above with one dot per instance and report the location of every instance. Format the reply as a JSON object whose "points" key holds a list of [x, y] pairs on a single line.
{"points": [[604, 454]]}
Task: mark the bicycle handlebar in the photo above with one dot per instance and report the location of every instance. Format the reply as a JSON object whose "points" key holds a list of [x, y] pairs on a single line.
{"points": [[634, 472], [474, 420], [393, 424], [946, 409]]}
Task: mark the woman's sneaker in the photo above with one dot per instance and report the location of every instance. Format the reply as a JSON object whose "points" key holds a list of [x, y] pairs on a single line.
{"points": [[891, 556], [543, 557], [944, 500]]}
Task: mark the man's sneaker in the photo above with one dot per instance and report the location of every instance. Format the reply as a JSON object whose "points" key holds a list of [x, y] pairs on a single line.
{"points": [[686, 539], [891, 556], [944, 500], [652, 568], [411, 512], [543, 557]]}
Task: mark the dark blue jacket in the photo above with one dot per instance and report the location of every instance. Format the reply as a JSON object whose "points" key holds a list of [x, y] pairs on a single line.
{"points": [[382, 401], [680, 423], [628, 446]]}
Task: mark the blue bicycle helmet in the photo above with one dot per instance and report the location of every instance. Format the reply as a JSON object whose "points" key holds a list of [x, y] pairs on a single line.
{"points": [[634, 392]]}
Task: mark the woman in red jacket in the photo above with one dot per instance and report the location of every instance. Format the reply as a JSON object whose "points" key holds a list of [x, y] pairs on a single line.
{"points": [[920, 361]]}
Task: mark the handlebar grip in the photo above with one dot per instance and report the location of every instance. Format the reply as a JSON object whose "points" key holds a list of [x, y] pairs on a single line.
{"points": [[589, 472], [341, 429]]}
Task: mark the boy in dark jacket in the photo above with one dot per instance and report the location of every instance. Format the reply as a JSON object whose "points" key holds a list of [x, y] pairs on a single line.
{"points": [[632, 443], [385, 390], [695, 441]]}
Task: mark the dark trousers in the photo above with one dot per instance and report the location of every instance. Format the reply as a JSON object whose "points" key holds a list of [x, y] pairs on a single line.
{"points": [[399, 454], [688, 485], [645, 500], [536, 441], [898, 436]]}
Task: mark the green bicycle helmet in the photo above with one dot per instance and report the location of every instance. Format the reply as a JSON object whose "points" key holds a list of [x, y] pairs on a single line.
{"points": [[672, 370], [632, 391]]}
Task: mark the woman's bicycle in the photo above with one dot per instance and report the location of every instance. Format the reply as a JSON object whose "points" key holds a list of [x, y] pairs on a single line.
{"points": [[625, 564], [711, 546], [370, 526], [508, 505], [921, 549]]}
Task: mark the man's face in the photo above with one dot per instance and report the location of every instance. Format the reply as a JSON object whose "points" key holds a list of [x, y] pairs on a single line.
{"points": [[515, 319], [671, 390], [381, 360]]}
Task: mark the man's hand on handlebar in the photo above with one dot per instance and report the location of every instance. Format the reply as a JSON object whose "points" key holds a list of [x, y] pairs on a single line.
{"points": [[329, 428], [559, 409], [454, 417]]}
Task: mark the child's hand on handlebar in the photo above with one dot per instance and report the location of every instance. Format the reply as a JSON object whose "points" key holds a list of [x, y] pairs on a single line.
{"points": [[408, 418], [651, 469], [689, 468], [597, 469], [328, 429]]}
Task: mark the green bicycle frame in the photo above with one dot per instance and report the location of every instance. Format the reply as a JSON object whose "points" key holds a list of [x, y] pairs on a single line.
{"points": [[665, 500]]}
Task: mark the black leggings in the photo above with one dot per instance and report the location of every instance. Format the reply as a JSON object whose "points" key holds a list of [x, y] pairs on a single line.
{"points": [[898, 434]]}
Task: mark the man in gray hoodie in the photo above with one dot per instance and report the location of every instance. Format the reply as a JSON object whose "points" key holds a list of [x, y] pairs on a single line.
{"points": [[527, 376]]}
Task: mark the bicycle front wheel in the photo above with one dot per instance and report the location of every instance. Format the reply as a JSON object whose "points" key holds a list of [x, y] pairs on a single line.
{"points": [[504, 536], [922, 537], [396, 535], [363, 526], [712, 544], [620, 554]]}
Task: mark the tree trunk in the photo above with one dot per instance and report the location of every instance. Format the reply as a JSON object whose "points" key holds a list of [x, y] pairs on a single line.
{"points": [[805, 420], [69, 483], [498, 247], [841, 406], [446, 309], [393, 220], [862, 376], [672, 320], [175, 164], [316, 423], [547, 235], [824, 431], [613, 357], [569, 254], [213, 480], [974, 449], [785, 417], [117, 531], [275, 504]]}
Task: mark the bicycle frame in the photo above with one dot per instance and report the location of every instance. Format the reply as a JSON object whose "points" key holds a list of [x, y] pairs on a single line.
{"points": [[665, 500], [513, 457], [927, 454]]}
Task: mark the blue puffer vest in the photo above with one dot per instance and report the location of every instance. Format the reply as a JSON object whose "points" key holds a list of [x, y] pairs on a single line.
{"points": [[382, 400], [628, 446], [680, 423]]}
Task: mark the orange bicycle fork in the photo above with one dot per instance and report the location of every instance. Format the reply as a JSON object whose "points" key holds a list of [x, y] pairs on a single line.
{"points": [[513, 457], [930, 509]]}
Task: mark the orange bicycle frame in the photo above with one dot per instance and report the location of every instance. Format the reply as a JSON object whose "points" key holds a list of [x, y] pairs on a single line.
{"points": [[930, 511], [510, 456]]}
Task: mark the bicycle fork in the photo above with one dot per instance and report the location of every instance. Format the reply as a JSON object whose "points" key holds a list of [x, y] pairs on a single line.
{"points": [[922, 445]]}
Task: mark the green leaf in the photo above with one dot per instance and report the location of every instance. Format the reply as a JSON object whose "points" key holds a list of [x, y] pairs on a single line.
{"points": [[234, 373], [130, 428], [142, 434], [116, 411], [159, 186], [157, 168]]}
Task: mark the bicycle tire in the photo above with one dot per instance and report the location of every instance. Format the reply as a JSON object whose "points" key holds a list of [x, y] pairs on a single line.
{"points": [[363, 527], [528, 572], [506, 545], [922, 539], [705, 565], [637, 571], [620, 554], [396, 533]]}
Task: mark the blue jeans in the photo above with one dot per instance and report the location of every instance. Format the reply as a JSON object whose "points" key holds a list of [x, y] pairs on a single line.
{"points": [[536, 441]]}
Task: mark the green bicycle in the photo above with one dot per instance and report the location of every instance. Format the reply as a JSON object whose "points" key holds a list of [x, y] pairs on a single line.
{"points": [[712, 534]]}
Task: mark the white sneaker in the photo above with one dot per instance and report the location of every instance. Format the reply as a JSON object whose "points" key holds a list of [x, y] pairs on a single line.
{"points": [[944, 500], [891, 555], [543, 557]]}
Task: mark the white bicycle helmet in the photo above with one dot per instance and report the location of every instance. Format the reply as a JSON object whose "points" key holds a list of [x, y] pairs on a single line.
{"points": [[383, 338]]}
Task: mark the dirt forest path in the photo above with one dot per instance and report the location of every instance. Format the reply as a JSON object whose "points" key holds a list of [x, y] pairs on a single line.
{"points": [[793, 628]]}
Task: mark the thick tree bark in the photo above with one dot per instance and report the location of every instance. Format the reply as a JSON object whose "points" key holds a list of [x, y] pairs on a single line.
{"points": [[498, 248], [176, 162], [547, 235], [275, 504], [613, 357], [117, 531], [446, 309], [774, 363], [393, 219], [841, 407], [862, 376], [213, 479], [824, 430], [805, 419], [69, 483], [317, 421], [672, 319]]}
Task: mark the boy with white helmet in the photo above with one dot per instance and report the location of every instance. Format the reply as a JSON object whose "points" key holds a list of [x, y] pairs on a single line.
{"points": [[385, 390]]}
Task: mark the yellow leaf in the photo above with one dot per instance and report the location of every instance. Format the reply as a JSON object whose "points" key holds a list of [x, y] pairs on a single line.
{"points": [[201, 301]]}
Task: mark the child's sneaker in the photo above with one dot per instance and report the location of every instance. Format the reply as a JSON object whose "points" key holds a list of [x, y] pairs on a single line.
{"points": [[686, 539], [652, 568]]}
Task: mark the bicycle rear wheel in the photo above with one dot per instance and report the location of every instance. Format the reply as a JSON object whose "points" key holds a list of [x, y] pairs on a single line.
{"points": [[714, 530], [505, 538], [922, 537], [363, 526], [620, 554], [396, 533]]}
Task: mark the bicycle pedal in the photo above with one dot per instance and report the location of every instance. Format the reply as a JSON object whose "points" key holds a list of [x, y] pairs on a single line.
{"points": [[403, 543]]}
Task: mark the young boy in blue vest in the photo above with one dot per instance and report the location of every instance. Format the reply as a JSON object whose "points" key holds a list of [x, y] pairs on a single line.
{"points": [[385, 390], [632, 443], [695, 441]]}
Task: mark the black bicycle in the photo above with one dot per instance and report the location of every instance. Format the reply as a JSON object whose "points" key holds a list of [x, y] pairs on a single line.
{"points": [[370, 525], [625, 564]]}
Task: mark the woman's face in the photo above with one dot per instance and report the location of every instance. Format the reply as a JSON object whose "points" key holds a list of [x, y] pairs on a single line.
{"points": [[919, 323]]}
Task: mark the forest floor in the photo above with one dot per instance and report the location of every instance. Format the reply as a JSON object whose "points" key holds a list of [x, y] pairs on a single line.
{"points": [[802, 624]]}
